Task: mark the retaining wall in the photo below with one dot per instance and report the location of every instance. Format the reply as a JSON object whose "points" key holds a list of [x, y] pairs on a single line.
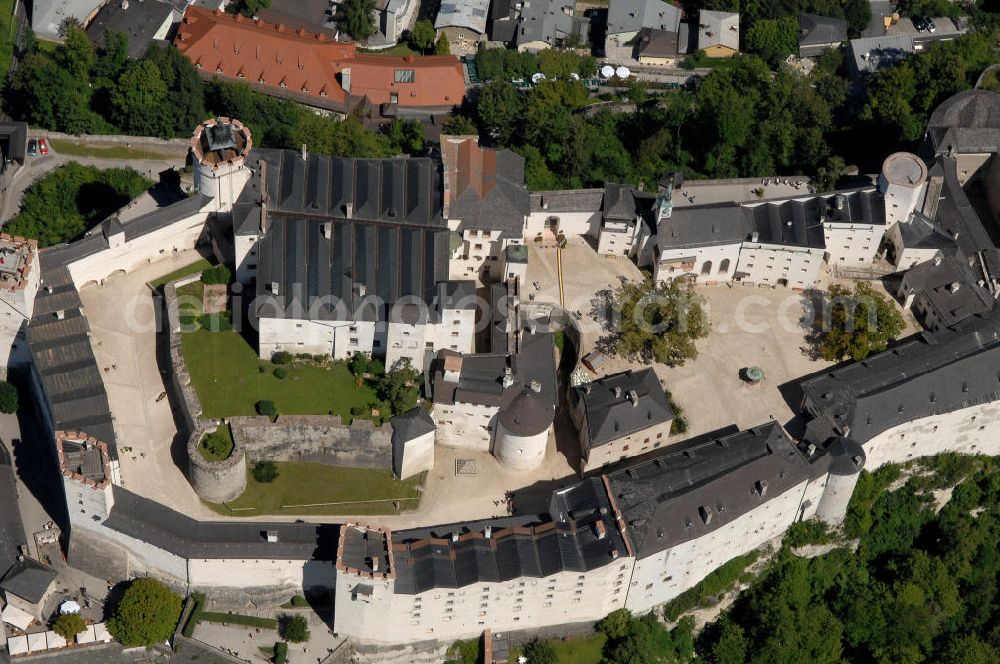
{"points": [[314, 438]]}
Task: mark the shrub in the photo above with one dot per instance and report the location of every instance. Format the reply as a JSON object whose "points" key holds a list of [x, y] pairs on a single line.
{"points": [[265, 472], [220, 322], [802, 533], [267, 407], [69, 625], [8, 398], [357, 411], [280, 652], [280, 373], [218, 275], [299, 601], [720, 580], [218, 445], [147, 614], [237, 619], [281, 357], [293, 628]]}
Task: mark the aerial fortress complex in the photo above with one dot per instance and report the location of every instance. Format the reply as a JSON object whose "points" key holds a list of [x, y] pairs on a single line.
{"points": [[383, 257]]}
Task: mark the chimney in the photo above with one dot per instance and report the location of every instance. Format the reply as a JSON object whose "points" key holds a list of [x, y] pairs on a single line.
{"points": [[305, 152], [275, 288], [755, 237], [535, 386], [328, 230], [488, 532], [602, 531], [507, 381], [375, 562], [272, 536], [349, 210], [61, 314], [937, 261], [345, 79], [618, 392], [839, 201], [953, 288], [633, 396], [454, 537]]}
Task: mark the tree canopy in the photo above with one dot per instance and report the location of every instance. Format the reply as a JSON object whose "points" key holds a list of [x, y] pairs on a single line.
{"points": [[9, 400], [857, 323], [147, 614], [69, 625], [421, 37], [658, 322], [357, 18], [64, 203]]}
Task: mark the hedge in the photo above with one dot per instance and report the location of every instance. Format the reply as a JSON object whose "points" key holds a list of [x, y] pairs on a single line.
{"points": [[237, 619]]}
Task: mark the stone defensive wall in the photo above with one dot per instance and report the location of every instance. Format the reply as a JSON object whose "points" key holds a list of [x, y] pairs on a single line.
{"points": [[315, 439], [214, 481]]}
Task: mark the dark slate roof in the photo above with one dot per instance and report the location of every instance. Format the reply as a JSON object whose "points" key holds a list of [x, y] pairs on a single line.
{"points": [[821, 30], [580, 535], [525, 412], [152, 522], [412, 424], [487, 187], [657, 43], [929, 374], [571, 200], [611, 412], [633, 15], [140, 22], [869, 54], [64, 359], [799, 221], [955, 213], [949, 287], [14, 140], [703, 225], [619, 202], [693, 490], [28, 579], [364, 549], [545, 20], [966, 122], [846, 456]]}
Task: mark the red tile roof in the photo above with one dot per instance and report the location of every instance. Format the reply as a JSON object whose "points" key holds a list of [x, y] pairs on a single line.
{"points": [[309, 67]]}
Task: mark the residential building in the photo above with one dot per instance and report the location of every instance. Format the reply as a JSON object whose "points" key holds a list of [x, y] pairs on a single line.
{"points": [[620, 416], [143, 22], [548, 23], [701, 243], [718, 33], [569, 212], [657, 48], [945, 290], [48, 16], [395, 17], [626, 18], [502, 403], [819, 33], [869, 54], [13, 153], [785, 247], [502, 25], [485, 203], [463, 22], [315, 70]]}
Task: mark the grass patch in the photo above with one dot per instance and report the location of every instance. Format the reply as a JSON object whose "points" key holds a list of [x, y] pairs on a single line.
{"points": [[218, 445], [192, 621], [7, 34], [227, 374], [314, 483], [194, 268], [583, 650], [74, 149], [190, 299], [237, 619], [559, 339], [397, 50], [464, 652]]}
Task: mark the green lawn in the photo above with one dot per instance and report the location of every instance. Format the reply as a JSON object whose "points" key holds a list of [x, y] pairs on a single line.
{"points": [[227, 375], [75, 149], [583, 650], [196, 267], [190, 298], [314, 483], [397, 50], [7, 33], [218, 445]]}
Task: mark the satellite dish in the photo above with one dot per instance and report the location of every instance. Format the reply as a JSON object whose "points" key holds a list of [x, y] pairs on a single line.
{"points": [[537, 78], [607, 71], [622, 72]]}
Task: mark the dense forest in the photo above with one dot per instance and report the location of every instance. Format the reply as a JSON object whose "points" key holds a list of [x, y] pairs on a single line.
{"points": [[750, 117]]}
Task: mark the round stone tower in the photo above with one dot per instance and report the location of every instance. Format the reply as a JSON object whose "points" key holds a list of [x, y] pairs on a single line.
{"points": [[847, 459], [216, 481], [902, 183], [219, 149], [523, 427]]}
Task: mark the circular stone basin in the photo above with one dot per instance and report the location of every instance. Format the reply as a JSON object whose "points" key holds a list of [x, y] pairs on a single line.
{"points": [[755, 374]]}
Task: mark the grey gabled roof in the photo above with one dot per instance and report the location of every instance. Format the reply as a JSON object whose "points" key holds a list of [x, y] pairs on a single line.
{"points": [[929, 374], [966, 122], [28, 579], [545, 20], [633, 15], [799, 221], [703, 225], [11, 528], [870, 54], [412, 424], [140, 23], [578, 535], [821, 30], [695, 489], [487, 189], [152, 522], [572, 200], [621, 404], [948, 287], [619, 202], [64, 359], [470, 14]]}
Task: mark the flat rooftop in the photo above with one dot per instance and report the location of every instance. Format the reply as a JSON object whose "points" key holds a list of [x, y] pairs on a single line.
{"points": [[18, 257]]}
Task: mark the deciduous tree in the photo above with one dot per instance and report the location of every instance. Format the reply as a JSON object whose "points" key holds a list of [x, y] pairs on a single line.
{"points": [[146, 615], [857, 323]]}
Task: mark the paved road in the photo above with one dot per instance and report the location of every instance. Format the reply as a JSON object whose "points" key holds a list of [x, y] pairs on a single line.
{"points": [[35, 167]]}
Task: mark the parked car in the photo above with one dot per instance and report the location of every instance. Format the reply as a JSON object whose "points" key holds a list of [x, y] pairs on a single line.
{"points": [[43, 147], [33, 147], [930, 24], [920, 23]]}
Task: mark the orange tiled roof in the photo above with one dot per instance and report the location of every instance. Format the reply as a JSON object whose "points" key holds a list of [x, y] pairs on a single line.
{"points": [[309, 66]]}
